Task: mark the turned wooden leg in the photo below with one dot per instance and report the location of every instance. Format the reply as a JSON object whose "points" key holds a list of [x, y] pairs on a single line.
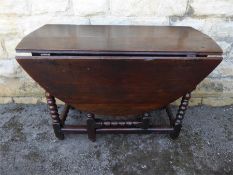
{"points": [[145, 121], [56, 121], [170, 115], [64, 114], [91, 127], [180, 115]]}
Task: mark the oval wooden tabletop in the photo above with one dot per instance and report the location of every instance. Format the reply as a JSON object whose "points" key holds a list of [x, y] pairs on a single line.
{"points": [[93, 38]]}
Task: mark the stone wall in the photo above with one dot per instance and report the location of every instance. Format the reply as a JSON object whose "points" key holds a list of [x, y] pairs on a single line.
{"points": [[18, 18]]}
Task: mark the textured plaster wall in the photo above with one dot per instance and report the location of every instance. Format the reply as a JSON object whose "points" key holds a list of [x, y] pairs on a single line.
{"points": [[18, 18]]}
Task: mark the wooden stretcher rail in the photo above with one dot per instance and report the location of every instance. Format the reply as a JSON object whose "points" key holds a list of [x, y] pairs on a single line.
{"points": [[83, 130]]}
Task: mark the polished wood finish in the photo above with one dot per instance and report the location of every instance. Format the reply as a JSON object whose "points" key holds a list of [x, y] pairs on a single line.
{"points": [[98, 39], [118, 86], [118, 70]]}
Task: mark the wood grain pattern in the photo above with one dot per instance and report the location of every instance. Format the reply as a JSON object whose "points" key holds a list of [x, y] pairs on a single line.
{"points": [[88, 39], [118, 86]]}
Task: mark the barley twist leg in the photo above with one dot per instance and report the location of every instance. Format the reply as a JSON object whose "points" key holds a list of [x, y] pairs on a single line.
{"points": [[56, 121], [180, 115]]}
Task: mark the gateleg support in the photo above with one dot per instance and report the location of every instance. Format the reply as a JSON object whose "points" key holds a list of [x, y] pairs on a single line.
{"points": [[170, 115], [64, 114], [58, 132], [91, 127]]}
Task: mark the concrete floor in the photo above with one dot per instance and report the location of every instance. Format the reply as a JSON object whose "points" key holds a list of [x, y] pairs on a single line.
{"points": [[28, 146]]}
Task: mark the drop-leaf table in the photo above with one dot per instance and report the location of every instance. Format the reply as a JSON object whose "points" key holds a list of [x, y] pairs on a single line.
{"points": [[117, 70]]}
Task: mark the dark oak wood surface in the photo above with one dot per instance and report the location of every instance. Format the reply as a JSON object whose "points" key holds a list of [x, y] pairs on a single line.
{"points": [[90, 39], [118, 70], [118, 85]]}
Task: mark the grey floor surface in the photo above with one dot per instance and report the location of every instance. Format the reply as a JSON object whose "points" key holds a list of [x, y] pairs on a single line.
{"points": [[28, 146]]}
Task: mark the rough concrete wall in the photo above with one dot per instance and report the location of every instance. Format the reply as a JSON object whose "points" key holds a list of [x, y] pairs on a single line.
{"points": [[18, 18]]}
